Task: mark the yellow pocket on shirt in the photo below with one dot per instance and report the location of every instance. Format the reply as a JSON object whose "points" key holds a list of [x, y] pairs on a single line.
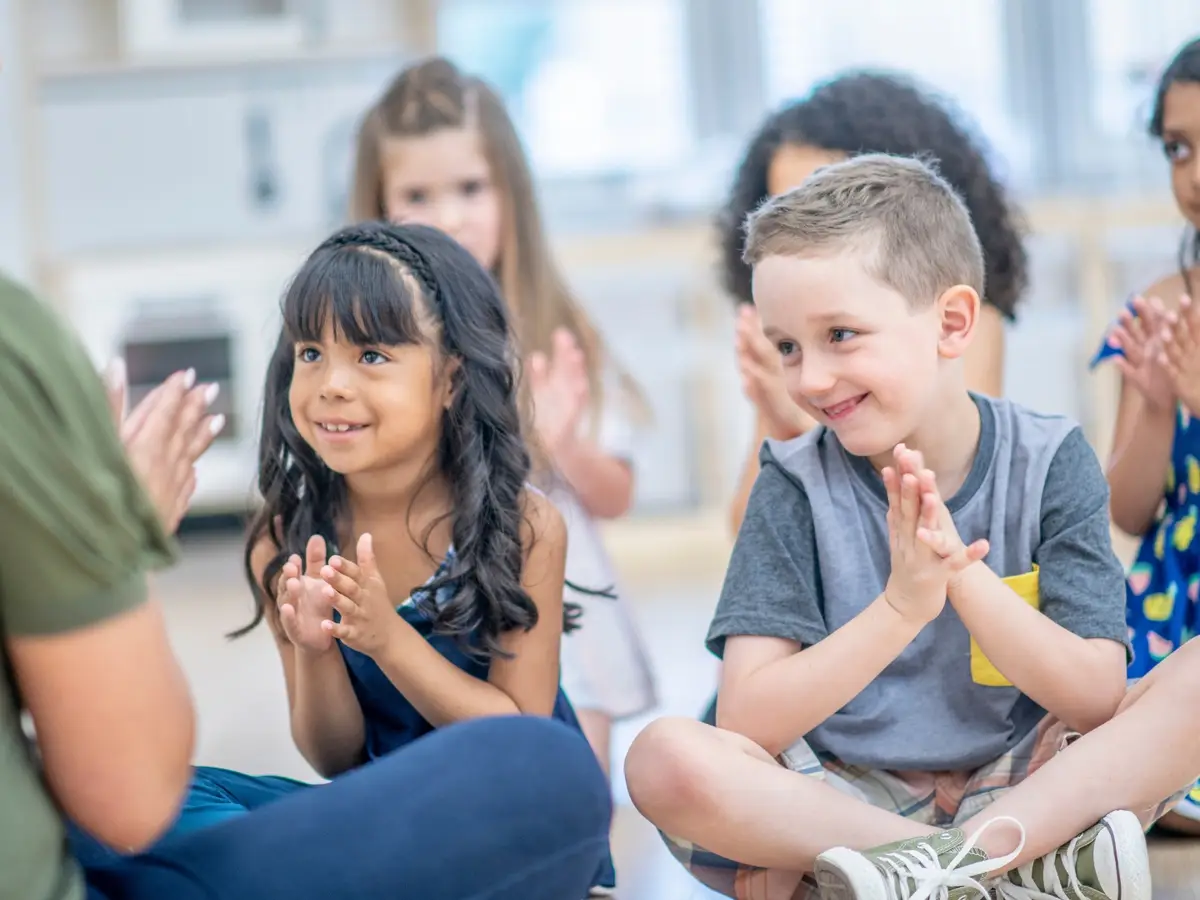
{"points": [[982, 671]]}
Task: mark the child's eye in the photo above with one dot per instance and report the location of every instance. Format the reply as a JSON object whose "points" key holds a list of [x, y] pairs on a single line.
{"points": [[841, 335], [373, 357], [1177, 151], [472, 187], [416, 196], [308, 354], [786, 348]]}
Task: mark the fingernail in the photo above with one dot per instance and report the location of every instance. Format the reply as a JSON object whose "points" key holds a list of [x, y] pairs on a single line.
{"points": [[216, 424], [189, 378], [210, 393], [116, 372]]}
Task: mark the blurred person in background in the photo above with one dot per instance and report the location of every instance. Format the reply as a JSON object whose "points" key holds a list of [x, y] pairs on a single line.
{"points": [[1154, 470], [854, 113], [439, 148]]}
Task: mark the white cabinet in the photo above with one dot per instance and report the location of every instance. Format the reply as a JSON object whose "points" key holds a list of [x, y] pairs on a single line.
{"points": [[161, 28], [201, 156]]}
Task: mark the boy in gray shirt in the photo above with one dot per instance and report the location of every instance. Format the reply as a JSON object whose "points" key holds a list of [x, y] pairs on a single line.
{"points": [[906, 677]]}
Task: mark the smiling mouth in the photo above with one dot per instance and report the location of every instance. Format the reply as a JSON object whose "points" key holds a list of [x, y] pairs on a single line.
{"points": [[843, 409], [339, 427]]}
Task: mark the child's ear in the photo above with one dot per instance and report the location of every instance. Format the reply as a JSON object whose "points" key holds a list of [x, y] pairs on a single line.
{"points": [[958, 312], [451, 378]]}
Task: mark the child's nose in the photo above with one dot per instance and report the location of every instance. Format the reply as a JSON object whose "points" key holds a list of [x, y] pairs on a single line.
{"points": [[449, 216], [339, 382], [814, 377]]}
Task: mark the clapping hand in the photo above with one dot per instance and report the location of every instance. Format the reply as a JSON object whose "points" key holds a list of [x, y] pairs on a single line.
{"points": [[761, 370], [1139, 334], [357, 592], [927, 552], [561, 392], [1180, 355], [164, 435], [303, 602]]}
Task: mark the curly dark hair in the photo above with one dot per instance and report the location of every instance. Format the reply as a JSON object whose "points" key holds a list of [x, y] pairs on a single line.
{"points": [[874, 112], [362, 278], [1184, 68]]}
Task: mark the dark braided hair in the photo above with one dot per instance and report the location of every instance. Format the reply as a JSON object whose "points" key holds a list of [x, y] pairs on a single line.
{"points": [[870, 112], [1184, 68], [362, 278]]}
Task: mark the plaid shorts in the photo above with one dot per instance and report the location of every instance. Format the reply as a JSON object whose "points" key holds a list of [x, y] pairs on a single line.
{"points": [[939, 799]]}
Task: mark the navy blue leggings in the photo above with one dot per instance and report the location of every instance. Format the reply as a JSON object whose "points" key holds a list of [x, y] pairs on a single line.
{"points": [[492, 809]]}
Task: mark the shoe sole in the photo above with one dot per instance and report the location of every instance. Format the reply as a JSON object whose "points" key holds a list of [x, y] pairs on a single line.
{"points": [[1133, 858], [843, 874]]}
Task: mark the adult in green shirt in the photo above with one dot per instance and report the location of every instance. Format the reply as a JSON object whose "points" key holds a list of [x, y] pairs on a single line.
{"points": [[83, 647], [497, 808]]}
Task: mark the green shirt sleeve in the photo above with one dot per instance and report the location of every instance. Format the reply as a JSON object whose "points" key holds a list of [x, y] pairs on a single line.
{"points": [[77, 532]]}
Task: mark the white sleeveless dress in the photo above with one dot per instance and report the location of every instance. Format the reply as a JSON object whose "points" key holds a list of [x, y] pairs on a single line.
{"points": [[605, 667]]}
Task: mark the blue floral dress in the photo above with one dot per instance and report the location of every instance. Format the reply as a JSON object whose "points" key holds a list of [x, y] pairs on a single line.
{"points": [[1162, 589]]}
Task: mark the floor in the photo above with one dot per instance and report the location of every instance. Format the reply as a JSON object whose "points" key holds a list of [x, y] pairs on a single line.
{"points": [[243, 724]]}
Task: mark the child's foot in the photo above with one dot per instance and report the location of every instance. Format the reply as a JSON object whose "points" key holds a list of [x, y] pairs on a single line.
{"points": [[944, 866], [1109, 861]]}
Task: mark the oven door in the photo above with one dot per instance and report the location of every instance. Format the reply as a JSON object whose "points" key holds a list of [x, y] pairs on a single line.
{"points": [[216, 313]]}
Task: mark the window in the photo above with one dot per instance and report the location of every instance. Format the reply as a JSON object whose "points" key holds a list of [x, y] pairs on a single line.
{"points": [[956, 49], [224, 10], [1131, 42], [594, 86]]}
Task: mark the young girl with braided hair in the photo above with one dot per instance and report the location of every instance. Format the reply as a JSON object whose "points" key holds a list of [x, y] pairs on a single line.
{"points": [[413, 583]]}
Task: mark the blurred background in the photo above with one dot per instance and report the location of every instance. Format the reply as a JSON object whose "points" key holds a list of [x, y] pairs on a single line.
{"points": [[166, 164]]}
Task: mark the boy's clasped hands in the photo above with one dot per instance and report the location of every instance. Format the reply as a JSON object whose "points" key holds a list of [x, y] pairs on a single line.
{"points": [[927, 553]]}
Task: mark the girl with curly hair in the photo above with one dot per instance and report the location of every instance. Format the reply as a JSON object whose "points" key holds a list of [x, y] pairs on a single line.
{"points": [[854, 113]]}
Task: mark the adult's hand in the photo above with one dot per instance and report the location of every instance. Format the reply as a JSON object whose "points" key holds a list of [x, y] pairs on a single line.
{"points": [[164, 435]]}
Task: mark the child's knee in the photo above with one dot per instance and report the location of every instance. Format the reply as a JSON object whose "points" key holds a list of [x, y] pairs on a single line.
{"points": [[1190, 650], [1185, 663], [668, 766], [1179, 672]]}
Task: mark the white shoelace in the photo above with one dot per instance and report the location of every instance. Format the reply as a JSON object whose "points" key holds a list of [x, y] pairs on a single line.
{"points": [[1054, 888], [931, 880]]}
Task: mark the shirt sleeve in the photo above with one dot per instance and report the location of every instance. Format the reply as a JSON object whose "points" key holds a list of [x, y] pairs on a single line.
{"points": [[1107, 349], [772, 586], [77, 532], [1081, 583]]}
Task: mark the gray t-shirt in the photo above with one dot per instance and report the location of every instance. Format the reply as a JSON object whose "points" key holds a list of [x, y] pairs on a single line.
{"points": [[813, 552]]}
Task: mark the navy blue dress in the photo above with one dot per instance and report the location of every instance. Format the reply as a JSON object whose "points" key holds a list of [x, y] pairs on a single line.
{"points": [[391, 723]]}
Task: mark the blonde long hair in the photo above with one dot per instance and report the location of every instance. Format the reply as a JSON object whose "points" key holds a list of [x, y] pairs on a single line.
{"points": [[435, 95]]}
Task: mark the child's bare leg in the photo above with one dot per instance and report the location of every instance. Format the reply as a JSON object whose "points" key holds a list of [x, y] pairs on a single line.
{"points": [[722, 791], [1177, 824], [1157, 725]]}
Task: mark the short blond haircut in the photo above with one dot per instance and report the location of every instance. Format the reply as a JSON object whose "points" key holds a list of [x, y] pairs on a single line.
{"points": [[912, 229]]}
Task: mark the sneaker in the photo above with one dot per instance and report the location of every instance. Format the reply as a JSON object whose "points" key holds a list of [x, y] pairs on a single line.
{"points": [[1109, 860], [945, 866]]}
